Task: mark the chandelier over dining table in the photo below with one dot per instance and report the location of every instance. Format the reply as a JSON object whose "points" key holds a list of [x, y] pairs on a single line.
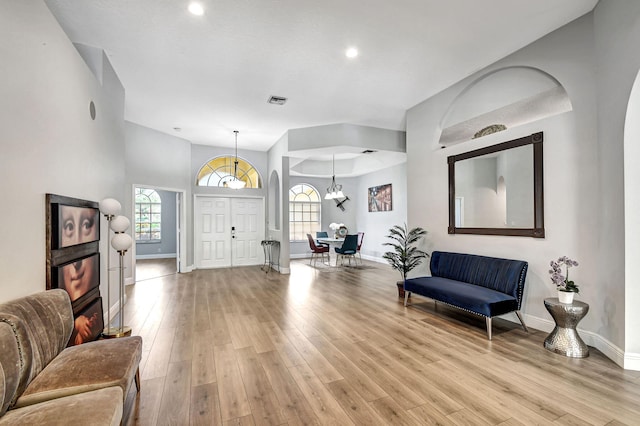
{"points": [[334, 190]]}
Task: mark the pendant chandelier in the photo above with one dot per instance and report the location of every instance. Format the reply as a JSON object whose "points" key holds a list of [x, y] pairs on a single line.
{"points": [[335, 190], [236, 183]]}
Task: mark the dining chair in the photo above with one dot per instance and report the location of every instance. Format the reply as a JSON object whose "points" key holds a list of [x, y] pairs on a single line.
{"points": [[317, 250], [321, 234], [360, 238], [348, 249]]}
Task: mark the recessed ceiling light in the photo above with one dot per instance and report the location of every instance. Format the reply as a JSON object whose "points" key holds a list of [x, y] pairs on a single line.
{"points": [[351, 52], [196, 8]]}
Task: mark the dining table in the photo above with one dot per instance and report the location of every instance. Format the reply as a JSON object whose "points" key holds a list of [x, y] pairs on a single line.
{"points": [[332, 242]]}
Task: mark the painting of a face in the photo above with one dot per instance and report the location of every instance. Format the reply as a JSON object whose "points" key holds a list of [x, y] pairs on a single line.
{"points": [[77, 225], [79, 276]]}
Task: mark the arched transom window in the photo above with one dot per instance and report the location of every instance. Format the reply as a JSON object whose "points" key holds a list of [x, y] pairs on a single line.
{"points": [[304, 211], [219, 171], [148, 214]]}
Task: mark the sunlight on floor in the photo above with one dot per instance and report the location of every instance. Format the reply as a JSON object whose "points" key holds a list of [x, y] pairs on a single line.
{"points": [[300, 281]]}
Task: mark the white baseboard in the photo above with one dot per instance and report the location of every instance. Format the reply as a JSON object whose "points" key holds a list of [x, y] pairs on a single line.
{"points": [[156, 256], [187, 269], [374, 259], [611, 351], [129, 281], [632, 361], [300, 256], [364, 256]]}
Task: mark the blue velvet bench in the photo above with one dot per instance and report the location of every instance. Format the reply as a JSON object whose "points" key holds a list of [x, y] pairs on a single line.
{"points": [[485, 286]]}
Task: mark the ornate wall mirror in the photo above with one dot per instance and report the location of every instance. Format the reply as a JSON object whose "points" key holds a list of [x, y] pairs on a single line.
{"points": [[498, 190]]}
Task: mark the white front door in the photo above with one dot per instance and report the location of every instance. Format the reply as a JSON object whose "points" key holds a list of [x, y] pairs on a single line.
{"points": [[247, 231], [228, 231]]}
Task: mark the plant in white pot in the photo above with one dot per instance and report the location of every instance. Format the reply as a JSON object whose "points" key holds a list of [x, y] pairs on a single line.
{"points": [[566, 288], [405, 255]]}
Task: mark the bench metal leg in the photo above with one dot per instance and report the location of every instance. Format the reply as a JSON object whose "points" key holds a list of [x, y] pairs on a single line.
{"points": [[488, 321], [406, 297], [522, 321]]}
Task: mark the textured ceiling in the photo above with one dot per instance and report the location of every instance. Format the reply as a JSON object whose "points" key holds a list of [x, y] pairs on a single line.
{"points": [[212, 74]]}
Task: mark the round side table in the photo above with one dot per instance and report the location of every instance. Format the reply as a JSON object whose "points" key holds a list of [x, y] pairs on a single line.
{"points": [[564, 338]]}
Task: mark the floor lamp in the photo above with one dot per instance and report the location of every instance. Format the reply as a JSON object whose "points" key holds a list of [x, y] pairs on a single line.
{"points": [[121, 242], [109, 207]]}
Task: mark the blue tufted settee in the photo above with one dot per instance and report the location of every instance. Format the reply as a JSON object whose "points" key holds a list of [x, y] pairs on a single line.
{"points": [[482, 285]]}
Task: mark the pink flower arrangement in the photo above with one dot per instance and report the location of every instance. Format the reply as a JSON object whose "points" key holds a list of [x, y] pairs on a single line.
{"points": [[562, 281]]}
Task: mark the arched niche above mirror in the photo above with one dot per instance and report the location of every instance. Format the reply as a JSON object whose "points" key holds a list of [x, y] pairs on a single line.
{"points": [[498, 190], [502, 99]]}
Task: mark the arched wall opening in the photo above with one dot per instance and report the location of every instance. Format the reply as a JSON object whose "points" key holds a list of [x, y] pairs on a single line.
{"points": [[632, 228]]}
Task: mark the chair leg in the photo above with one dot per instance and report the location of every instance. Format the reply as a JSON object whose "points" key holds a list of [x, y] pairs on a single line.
{"points": [[522, 321], [407, 294], [488, 321]]}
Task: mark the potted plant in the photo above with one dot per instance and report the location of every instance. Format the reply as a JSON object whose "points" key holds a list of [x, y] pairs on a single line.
{"points": [[566, 288], [405, 255]]}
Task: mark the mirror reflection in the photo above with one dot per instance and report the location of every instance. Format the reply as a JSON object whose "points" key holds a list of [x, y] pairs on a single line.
{"points": [[495, 190], [498, 190]]}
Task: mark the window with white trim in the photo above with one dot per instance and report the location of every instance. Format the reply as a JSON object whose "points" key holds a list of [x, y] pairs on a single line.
{"points": [[304, 211], [148, 215]]}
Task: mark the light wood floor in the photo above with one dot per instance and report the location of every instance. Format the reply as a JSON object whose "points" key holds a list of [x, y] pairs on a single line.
{"points": [[336, 346], [155, 268]]}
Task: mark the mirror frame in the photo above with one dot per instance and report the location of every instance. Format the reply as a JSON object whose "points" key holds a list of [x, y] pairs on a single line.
{"points": [[538, 190]]}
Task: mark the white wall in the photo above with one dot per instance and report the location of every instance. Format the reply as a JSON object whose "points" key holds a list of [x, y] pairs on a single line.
{"points": [[49, 143], [574, 198], [278, 162], [157, 160], [617, 35], [376, 225]]}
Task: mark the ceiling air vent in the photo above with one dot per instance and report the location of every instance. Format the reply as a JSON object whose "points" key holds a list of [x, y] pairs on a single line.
{"points": [[368, 151], [277, 100]]}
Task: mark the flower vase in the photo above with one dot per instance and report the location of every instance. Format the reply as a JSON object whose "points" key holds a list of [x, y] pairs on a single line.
{"points": [[565, 297]]}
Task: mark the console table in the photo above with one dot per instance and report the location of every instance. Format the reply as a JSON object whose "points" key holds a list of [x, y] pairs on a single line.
{"points": [[564, 338], [271, 250]]}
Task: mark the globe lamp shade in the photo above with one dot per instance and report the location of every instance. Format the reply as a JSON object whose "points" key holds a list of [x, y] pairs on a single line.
{"points": [[121, 242], [119, 224], [110, 207]]}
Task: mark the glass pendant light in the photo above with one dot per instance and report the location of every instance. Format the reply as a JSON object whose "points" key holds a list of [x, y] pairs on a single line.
{"points": [[236, 183]]}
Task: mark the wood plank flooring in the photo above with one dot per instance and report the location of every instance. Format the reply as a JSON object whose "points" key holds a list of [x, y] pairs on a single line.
{"points": [[333, 346]]}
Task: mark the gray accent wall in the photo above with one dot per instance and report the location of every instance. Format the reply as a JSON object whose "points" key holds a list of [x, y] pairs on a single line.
{"points": [[167, 246]]}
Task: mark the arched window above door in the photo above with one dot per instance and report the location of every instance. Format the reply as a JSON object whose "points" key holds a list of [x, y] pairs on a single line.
{"points": [[219, 170]]}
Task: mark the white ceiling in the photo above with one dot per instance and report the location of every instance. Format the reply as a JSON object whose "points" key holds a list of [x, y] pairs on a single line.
{"points": [[211, 74]]}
